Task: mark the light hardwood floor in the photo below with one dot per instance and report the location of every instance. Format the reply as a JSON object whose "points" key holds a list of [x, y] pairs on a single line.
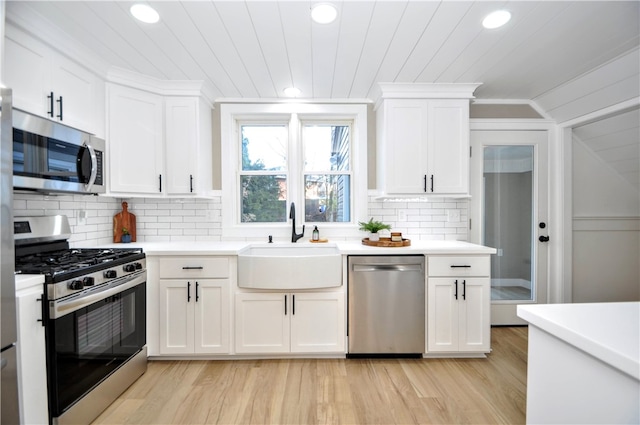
{"points": [[333, 391]]}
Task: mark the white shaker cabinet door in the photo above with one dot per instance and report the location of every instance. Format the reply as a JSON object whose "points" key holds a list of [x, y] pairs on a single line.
{"points": [[211, 320], [176, 317], [181, 134], [448, 147], [32, 363], [262, 322], [318, 322], [136, 141]]}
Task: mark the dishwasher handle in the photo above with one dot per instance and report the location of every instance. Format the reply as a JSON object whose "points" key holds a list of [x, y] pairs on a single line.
{"points": [[387, 267]]}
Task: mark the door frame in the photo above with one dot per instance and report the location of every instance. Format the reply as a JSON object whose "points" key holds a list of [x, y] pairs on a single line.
{"points": [[554, 216]]}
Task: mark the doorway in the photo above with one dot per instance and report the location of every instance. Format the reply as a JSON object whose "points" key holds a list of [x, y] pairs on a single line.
{"points": [[508, 211]]}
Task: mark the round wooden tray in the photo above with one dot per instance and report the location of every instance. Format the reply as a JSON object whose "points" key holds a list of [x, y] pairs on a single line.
{"points": [[386, 243]]}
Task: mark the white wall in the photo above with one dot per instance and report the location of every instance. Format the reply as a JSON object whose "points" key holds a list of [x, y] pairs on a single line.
{"points": [[606, 231]]}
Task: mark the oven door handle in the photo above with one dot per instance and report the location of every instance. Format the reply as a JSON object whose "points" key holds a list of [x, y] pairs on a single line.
{"points": [[76, 302]]}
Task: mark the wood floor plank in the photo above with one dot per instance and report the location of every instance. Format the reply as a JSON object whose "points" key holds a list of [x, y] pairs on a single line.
{"points": [[333, 391]]}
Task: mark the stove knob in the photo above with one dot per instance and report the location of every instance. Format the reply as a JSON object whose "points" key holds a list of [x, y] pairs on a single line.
{"points": [[76, 285], [129, 268], [88, 281], [110, 274], [138, 266]]}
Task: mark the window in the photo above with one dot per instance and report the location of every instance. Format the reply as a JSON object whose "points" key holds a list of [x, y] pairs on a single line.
{"points": [[310, 155], [263, 175], [327, 176]]}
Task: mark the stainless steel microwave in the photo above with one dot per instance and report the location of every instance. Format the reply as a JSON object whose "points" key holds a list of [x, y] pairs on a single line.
{"points": [[52, 157]]}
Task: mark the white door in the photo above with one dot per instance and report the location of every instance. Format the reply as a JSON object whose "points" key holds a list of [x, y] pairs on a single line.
{"points": [[509, 211]]}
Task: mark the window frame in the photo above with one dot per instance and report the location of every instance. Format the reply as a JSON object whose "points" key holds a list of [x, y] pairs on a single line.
{"points": [[232, 115]]}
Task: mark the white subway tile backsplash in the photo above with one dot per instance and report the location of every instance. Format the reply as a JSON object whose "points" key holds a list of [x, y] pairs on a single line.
{"points": [[91, 217]]}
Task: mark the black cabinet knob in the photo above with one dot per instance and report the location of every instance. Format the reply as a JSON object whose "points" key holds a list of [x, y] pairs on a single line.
{"points": [[543, 238]]}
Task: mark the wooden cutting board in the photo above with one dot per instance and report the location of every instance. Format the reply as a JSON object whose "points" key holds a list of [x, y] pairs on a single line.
{"points": [[124, 220]]}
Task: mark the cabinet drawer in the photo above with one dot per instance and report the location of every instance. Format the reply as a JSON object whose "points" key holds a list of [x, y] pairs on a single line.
{"points": [[188, 267], [455, 265]]}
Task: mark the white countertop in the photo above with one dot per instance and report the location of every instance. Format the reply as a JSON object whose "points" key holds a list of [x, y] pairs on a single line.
{"points": [[24, 281], [608, 331], [345, 247]]}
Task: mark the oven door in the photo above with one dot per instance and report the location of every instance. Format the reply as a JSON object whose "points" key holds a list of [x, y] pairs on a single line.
{"points": [[90, 336]]}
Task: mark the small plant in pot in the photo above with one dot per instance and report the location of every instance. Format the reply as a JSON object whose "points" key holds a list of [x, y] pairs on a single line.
{"points": [[126, 236], [373, 227]]}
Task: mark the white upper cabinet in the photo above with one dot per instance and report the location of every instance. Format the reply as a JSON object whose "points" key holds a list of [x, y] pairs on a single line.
{"points": [[160, 145], [423, 139], [135, 120], [47, 84]]}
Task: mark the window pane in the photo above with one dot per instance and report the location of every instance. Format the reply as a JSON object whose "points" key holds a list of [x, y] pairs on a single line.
{"points": [[263, 198], [264, 147], [327, 198], [326, 147]]}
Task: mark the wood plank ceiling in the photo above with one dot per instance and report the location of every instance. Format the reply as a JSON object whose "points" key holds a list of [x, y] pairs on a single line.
{"points": [[256, 49]]}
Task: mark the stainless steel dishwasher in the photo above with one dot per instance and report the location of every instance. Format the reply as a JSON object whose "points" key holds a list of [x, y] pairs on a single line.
{"points": [[386, 305]]}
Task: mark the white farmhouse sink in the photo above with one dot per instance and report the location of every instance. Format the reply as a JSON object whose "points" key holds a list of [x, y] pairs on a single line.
{"points": [[289, 267]]}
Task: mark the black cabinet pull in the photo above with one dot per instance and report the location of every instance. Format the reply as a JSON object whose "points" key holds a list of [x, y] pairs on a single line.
{"points": [[50, 111], [293, 305], [160, 179], [285, 305], [466, 266], [456, 294], [60, 102], [197, 296], [192, 268], [431, 182], [464, 289], [191, 183], [543, 238], [425, 183], [41, 320], [188, 291]]}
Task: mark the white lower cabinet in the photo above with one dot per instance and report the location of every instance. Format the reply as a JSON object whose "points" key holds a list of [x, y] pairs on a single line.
{"points": [[195, 316], [32, 363], [194, 303], [458, 305], [300, 322]]}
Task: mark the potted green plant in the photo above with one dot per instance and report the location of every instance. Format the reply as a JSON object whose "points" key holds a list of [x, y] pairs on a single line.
{"points": [[126, 236], [373, 227]]}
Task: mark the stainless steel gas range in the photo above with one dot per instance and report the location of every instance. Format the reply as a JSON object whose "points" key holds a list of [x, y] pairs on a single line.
{"points": [[94, 317]]}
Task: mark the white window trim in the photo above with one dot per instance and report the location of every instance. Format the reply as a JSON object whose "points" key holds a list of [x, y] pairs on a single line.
{"points": [[230, 114]]}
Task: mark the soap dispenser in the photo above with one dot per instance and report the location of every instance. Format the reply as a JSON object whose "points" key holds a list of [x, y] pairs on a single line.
{"points": [[315, 236]]}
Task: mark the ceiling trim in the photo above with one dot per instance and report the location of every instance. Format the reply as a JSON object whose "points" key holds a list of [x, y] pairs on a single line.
{"points": [[616, 109]]}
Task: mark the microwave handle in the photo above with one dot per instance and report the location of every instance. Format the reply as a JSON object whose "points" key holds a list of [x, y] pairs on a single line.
{"points": [[94, 166]]}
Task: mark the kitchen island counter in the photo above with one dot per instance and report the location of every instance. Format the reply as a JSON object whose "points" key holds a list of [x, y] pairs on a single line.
{"points": [[583, 363]]}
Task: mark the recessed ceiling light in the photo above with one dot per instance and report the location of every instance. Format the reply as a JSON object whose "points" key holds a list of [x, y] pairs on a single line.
{"points": [[291, 92], [144, 13], [496, 19], [324, 13]]}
